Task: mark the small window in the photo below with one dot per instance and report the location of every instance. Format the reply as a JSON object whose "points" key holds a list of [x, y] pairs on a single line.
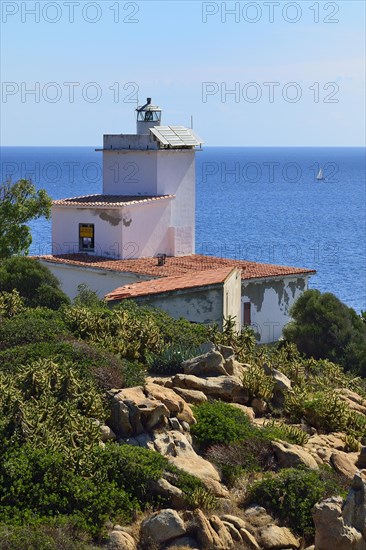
{"points": [[86, 236], [247, 314]]}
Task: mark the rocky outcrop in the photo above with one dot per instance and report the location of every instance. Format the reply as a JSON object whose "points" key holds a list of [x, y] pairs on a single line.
{"points": [[211, 533], [342, 525], [120, 540], [343, 464], [292, 456], [274, 537], [218, 387], [162, 527]]}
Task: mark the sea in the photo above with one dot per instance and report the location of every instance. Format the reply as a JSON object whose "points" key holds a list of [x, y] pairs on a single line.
{"points": [[258, 204]]}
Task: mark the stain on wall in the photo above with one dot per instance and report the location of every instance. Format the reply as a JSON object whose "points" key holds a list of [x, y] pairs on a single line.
{"points": [[111, 216], [126, 219]]}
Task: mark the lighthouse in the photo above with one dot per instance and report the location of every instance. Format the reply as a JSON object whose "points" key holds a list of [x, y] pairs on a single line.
{"points": [[147, 205]]}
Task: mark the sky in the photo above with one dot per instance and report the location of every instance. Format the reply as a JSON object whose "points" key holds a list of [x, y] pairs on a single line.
{"points": [[251, 73]]}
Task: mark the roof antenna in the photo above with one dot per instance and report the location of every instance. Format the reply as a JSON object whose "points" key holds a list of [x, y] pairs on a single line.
{"points": [[192, 122]]}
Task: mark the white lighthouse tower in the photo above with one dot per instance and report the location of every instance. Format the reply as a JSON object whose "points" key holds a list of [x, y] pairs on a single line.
{"points": [[147, 207]]}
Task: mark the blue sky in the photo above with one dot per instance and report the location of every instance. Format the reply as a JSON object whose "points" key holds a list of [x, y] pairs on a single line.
{"points": [[187, 56]]}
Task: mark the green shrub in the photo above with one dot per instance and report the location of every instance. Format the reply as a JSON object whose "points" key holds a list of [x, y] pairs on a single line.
{"points": [[325, 328], [133, 468], [324, 409], [279, 430], [30, 326], [11, 303], [290, 495], [220, 423], [169, 361], [37, 484], [35, 283], [258, 383], [45, 536]]}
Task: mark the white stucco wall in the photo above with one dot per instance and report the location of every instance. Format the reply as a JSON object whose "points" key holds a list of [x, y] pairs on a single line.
{"points": [[107, 224], [137, 231], [271, 301], [177, 176], [146, 229], [130, 172], [203, 305], [232, 297], [162, 172], [101, 281]]}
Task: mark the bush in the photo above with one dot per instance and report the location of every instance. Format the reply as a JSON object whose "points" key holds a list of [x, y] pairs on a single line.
{"points": [[254, 455], [220, 423], [133, 469], [30, 326], [325, 328], [35, 283], [37, 484], [324, 409], [257, 383], [173, 332], [170, 360], [60, 535], [291, 494]]}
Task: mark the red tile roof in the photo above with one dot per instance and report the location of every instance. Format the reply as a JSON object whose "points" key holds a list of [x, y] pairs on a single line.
{"points": [[109, 200], [168, 284], [179, 265]]}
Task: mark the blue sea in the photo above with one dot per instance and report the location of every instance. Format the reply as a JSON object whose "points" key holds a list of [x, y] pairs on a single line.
{"points": [[257, 204]]}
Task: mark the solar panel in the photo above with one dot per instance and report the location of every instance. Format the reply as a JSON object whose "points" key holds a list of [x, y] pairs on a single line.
{"points": [[176, 136]]}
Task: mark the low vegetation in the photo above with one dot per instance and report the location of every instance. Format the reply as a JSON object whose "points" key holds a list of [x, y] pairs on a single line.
{"points": [[59, 486]]}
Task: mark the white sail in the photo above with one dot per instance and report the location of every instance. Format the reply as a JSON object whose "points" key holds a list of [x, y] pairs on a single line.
{"points": [[320, 175]]}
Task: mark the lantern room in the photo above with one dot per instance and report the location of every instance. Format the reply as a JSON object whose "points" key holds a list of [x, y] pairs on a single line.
{"points": [[148, 116]]}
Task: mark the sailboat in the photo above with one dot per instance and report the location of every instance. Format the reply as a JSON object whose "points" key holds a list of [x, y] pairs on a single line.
{"points": [[320, 175]]}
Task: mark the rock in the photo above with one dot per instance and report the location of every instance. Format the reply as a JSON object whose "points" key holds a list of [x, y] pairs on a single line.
{"points": [[197, 466], [249, 540], [162, 526], [354, 507], [274, 537], [353, 400], [175, 424], [209, 364], [163, 488], [331, 532], [152, 413], [107, 434], [171, 400], [259, 406], [221, 387], [291, 456], [343, 464], [256, 516], [186, 415], [281, 382], [211, 533], [182, 542], [247, 410], [178, 450], [234, 533], [120, 419], [135, 394], [216, 488], [191, 396], [361, 461], [226, 351], [120, 540], [234, 520]]}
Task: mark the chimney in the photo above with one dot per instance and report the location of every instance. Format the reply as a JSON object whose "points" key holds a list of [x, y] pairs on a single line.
{"points": [[161, 259]]}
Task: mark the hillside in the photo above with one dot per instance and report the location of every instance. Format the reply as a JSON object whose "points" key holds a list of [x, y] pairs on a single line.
{"points": [[125, 429]]}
